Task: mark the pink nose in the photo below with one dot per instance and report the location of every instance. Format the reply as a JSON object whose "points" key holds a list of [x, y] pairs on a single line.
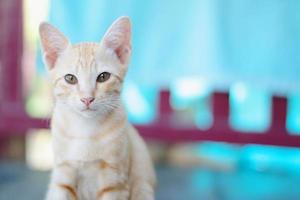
{"points": [[88, 100]]}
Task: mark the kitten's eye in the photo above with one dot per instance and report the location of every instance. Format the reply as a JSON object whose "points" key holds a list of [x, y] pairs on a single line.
{"points": [[71, 79], [104, 76]]}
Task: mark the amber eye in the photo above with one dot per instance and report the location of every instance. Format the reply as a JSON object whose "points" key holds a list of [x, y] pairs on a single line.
{"points": [[71, 79], [104, 76]]}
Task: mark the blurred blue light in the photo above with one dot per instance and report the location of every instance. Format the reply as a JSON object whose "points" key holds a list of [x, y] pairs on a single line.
{"points": [[293, 118], [190, 88], [271, 159], [259, 158], [140, 103], [192, 94], [249, 108]]}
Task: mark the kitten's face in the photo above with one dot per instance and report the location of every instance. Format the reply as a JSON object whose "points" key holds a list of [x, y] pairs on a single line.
{"points": [[87, 77]]}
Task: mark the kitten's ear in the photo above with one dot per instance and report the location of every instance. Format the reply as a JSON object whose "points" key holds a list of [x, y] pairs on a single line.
{"points": [[53, 43], [118, 39]]}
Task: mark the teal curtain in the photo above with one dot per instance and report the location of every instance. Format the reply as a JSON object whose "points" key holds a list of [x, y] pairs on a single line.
{"points": [[251, 47], [223, 41]]}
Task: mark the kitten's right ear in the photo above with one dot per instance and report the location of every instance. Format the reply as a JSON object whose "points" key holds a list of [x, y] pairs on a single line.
{"points": [[53, 43]]}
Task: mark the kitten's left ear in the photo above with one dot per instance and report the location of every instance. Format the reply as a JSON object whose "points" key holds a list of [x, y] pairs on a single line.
{"points": [[118, 39]]}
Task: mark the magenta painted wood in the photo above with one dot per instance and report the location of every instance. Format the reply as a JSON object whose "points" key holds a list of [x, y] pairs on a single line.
{"points": [[14, 120], [11, 46], [221, 131], [279, 116]]}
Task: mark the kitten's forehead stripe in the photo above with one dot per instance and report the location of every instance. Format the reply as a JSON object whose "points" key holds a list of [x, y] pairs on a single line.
{"points": [[86, 53]]}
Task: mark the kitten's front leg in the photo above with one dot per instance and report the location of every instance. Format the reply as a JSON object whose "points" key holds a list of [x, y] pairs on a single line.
{"points": [[62, 185], [142, 190], [113, 192], [114, 183]]}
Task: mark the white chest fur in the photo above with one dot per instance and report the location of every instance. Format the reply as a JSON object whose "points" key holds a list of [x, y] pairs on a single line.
{"points": [[79, 139]]}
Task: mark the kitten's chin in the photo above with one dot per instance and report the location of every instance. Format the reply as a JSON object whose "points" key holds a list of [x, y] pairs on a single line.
{"points": [[88, 113]]}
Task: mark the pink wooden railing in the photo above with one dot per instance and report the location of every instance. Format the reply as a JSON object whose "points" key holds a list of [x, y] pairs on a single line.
{"points": [[277, 134]]}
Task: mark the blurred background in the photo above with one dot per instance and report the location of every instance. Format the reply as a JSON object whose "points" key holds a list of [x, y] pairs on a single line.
{"points": [[213, 86]]}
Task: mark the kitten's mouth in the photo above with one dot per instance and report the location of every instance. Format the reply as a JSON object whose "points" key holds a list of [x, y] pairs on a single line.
{"points": [[88, 109]]}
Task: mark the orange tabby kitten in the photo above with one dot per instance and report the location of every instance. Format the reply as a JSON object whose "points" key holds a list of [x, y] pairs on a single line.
{"points": [[98, 154]]}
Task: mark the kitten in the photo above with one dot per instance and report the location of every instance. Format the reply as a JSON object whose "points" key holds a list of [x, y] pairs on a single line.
{"points": [[98, 154]]}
